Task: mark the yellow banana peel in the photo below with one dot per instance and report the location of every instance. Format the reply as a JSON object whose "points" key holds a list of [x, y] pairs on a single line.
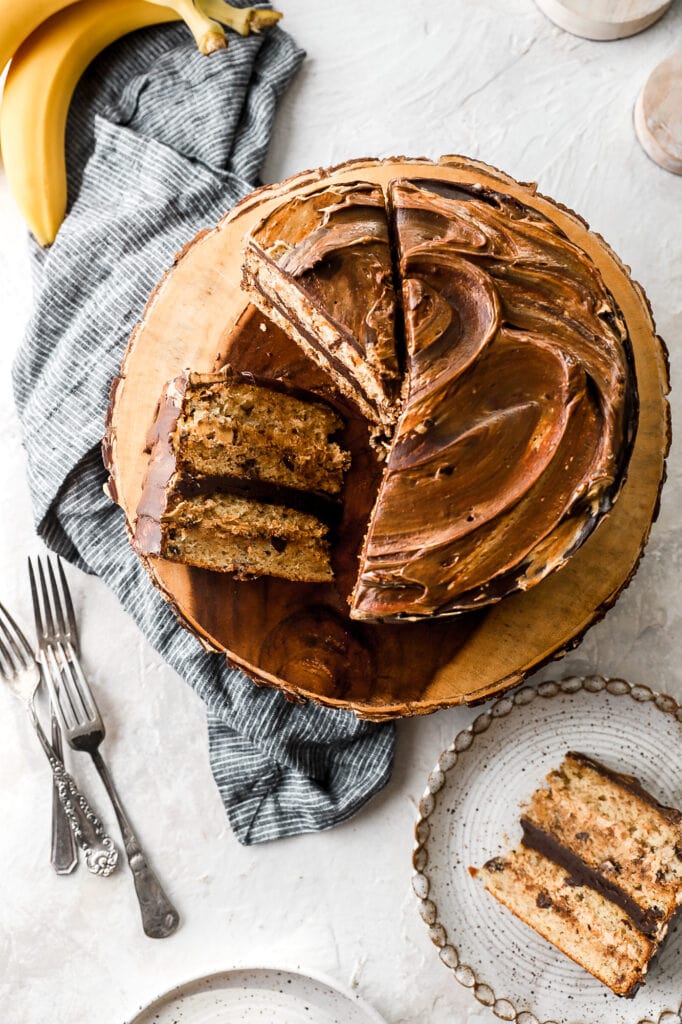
{"points": [[50, 44], [40, 83]]}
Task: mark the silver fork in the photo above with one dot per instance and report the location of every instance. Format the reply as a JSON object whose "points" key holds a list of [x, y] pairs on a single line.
{"points": [[63, 852], [21, 671], [83, 727]]}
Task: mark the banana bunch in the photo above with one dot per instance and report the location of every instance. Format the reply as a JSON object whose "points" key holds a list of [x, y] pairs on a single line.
{"points": [[50, 44]]}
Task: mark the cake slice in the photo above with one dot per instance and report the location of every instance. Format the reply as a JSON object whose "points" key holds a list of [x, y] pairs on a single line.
{"points": [[576, 919], [319, 265], [604, 827], [598, 872], [243, 477]]}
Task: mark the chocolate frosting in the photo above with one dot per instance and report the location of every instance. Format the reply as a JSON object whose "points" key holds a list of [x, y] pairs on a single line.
{"points": [[519, 412], [335, 244], [161, 468]]}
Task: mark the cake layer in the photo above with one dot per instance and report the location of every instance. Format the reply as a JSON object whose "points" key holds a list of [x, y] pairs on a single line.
{"points": [[320, 266], [233, 534], [601, 824], [277, 438], [243, 478], [519, 408], [582, 923]]}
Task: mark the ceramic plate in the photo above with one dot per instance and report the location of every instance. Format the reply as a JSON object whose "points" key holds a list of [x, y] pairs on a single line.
{"points": [[470, 812], [258, 996]]}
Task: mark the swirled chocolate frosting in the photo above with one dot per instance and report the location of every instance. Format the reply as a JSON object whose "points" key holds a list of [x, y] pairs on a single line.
{"points": [[519, 406], [320, 266]]}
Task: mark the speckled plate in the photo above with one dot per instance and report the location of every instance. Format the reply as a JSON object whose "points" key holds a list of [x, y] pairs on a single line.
{"points": [[258, 996], [470, 812]]}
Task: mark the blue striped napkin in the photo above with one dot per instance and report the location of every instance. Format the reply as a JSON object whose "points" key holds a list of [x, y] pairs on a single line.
{"points": [[161, 142]]}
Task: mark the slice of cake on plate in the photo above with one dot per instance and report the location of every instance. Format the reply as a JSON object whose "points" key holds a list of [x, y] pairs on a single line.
{"points": [[244, 477], [598, 872], [319, 265]]}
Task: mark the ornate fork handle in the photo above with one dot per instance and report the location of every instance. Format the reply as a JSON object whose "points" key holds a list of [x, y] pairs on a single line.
{"points": [[98, 848], [159, 917]]}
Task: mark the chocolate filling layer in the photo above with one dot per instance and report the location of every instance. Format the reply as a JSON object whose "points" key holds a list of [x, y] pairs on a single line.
{"points": [[328, 510], [580, 873]]}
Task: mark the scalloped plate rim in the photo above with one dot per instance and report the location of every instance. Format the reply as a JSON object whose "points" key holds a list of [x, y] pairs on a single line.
{"points": [[568, 686]]}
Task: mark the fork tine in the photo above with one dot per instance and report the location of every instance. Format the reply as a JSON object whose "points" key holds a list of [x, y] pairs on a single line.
{"points": [[6, 664], [9, 649], [47, 608], [16, 638], [80, 686], [40, 626], [70, 614], [84, 688], [58, 693], [56, 599]]}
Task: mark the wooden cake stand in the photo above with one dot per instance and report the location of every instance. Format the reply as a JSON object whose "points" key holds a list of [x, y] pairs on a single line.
{"points": [[298, 637]]}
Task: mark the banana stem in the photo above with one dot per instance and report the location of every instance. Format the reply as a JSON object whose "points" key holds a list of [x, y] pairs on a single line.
{"points": [[243, 20], [209, 35]]}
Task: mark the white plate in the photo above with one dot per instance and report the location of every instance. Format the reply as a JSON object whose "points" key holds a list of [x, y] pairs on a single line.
{"points": [[470, 813], [258, 996]]}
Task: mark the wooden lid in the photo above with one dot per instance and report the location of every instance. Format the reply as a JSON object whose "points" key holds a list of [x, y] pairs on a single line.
{"points": [[658, 114], [604, 20], [299, 637]]}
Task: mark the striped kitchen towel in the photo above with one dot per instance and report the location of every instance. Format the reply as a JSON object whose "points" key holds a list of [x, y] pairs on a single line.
{"points": [[161, 142]]}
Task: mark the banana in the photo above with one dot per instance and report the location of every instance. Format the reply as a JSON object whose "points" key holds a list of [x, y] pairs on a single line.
{"points": [[47, 65], [209, 35], [40, 83], [242, 19], [19, 18]]}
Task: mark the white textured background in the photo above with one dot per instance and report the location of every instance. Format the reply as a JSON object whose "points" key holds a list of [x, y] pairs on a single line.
{"points": [[489, 79]]}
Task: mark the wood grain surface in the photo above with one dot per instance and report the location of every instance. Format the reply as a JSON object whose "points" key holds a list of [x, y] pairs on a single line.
{"points": [[299, 637]]}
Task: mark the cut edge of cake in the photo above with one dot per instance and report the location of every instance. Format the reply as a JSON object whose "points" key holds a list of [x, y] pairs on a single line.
{"points": [[371, 380], [248, 519], [579, 922]]}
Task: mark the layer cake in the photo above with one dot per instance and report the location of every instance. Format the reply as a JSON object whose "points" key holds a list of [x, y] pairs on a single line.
{"points": [[598, 872], [499, 389], [508, 434], [244, 477]]}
